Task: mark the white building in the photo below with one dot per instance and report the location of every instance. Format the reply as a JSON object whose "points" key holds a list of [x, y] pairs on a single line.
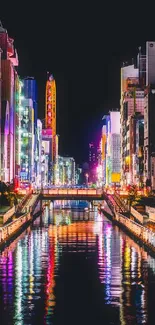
{"points": [[110, 148], [66, 171], [38, 154], [27, 141]]}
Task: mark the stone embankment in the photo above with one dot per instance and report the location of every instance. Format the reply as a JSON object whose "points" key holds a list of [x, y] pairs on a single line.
{"points": [[135, 227], [27, 212]]}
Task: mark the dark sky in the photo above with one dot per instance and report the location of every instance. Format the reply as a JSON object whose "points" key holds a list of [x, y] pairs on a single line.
{"points": [[83, 43]]}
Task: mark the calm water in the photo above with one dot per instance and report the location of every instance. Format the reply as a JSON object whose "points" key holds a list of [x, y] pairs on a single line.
{"points": [[76, 269]]}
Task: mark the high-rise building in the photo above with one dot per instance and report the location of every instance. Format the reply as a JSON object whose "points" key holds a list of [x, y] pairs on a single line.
{"points": [[27, 142], [66, 171], [111, 148], [78, 175], [46, 163], [132, 107], [139, 156], [93, 162], [149, 117], [8, 76], [30, 92], [18, 118], [0, 111], [104, 148], [38, 154]]}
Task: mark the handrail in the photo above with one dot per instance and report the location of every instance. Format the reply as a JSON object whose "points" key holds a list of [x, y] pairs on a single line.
{"points": [[68, 191]]}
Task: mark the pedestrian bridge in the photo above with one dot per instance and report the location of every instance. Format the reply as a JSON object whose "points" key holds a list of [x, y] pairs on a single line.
{"points": [[72, 194]]}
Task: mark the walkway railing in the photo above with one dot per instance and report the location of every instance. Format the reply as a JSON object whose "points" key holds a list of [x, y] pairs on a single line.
{"points": [[12, 227], [78, 192], [144, 234]]}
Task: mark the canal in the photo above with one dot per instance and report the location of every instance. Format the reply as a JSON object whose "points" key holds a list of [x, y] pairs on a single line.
{"points": [[76, 268]]}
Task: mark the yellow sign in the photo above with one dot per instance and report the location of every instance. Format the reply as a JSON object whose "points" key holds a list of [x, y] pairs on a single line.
{"points": [[115, 177]]}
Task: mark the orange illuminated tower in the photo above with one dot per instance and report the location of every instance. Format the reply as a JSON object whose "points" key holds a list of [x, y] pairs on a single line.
{"points": [[50, 124], [50, 118]]}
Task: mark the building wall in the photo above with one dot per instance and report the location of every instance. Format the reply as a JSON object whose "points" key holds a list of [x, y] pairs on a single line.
{"points": [[38, 164], [132, 105], [27, 141], [139, 172], [18, 94], [150, 63], [103, 154], [0, 111], [8, 64], [111, 148], [46, 157], [149, 113], [66, 171], [115, 147]]}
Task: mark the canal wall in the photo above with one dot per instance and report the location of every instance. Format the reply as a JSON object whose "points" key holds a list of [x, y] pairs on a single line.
{"points": [[12, 229], [137, 231], [7, 215], [6, 232], [143, 234]]}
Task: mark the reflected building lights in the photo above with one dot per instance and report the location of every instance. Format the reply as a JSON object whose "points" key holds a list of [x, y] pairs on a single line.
{"points": [[29, 268], [107, 266], [18, 286], [133, 283]]}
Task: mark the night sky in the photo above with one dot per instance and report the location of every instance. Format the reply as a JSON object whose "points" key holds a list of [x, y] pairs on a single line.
{"points": [[83, 44]]}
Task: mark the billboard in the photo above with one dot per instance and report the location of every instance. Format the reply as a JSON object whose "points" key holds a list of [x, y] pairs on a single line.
{"points": [[115, 177], [47, 133]]}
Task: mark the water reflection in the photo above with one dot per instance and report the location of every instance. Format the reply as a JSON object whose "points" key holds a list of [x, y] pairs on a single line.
{"points": [[76, 267]]}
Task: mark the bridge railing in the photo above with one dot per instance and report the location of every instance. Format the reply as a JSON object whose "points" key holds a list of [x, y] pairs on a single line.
{"points": [[78, 192]]}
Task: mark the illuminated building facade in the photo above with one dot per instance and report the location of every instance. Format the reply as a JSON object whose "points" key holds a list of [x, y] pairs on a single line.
{"points": [[0, 111], [38, 163], [149, 117], [92, 155], [30, 91], [104, 147], [132, 109], [138, 170], [110, 146], [27, 141], [137, 115], [99, 176], [50, 122], [18, 115], [46, 154], [78, 175], [93, 162], [66, 171], [56, 164], [8, 74]]}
